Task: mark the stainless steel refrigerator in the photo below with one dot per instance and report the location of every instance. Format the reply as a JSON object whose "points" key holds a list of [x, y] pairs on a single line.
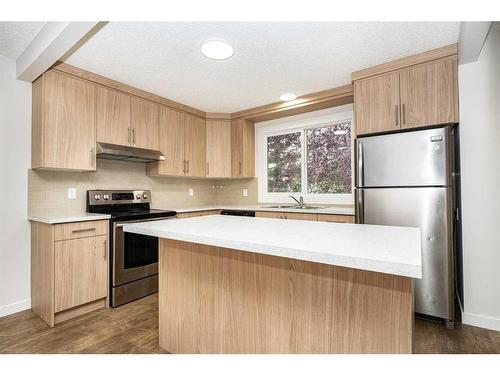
{"points": [[407, 179]]}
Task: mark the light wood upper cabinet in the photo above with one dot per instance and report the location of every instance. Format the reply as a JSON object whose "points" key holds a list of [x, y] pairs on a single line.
{"points": [[113, 117], [419, 95], [195, 146], [144, 123], [218, 150], [63, 123], [80, 268], [427, 94], [377, 104], [182, 141], [242, 149]]}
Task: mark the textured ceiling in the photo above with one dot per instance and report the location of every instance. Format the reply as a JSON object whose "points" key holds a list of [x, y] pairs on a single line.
{"points": [[16, 36], [269, 58]]}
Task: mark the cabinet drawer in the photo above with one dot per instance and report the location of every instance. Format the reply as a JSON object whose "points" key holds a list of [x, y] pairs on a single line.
{"points": [[336, 218], [80, 229]]}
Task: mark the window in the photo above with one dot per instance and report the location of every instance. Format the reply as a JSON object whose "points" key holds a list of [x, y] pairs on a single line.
{"points": [[306, 155]]}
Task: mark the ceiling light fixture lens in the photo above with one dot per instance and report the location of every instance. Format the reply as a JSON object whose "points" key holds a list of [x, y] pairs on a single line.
{"points": [[217, 50], [288, 96]]}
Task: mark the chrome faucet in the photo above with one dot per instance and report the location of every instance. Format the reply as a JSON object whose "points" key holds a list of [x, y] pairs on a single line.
{"points": [[300, 202]]}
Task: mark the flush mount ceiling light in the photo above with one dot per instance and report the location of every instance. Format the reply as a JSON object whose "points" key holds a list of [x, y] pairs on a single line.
{"points": [[288, 96], [217, 50]]}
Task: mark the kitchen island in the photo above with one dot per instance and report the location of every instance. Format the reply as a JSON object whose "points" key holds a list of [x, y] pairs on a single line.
{"points": [[254, 285]]}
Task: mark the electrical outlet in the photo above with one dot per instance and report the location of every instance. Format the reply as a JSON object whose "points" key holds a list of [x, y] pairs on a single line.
{"points": [[245, 192], [71, 193], [191, 192]]}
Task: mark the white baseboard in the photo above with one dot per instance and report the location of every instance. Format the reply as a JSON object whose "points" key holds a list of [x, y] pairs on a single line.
{"points": [[482, 321], [15, 307]]}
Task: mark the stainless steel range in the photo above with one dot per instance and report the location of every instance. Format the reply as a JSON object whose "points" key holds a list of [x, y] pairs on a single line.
{"points": [[133, 257]]}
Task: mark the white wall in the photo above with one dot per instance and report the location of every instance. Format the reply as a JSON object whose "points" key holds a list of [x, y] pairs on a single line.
{"points": [[15, 154], [479, 87]]}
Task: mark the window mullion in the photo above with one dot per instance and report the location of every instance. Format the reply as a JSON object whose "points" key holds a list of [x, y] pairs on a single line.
{"points": [[304, 164]]}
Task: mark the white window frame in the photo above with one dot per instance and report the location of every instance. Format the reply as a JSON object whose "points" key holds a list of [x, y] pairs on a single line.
{"points": [[293, 124]]}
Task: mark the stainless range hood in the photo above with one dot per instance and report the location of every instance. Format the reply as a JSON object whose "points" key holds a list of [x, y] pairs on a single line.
{"points": [[127, 153]]}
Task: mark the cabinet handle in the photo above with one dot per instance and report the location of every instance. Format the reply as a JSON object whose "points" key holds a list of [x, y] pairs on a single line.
{"points": [[240, 173], [187, 162], [184, 166], [129, 140], [403, 122], [208, 169], [133, 136], [92, 157], [396, 113], [105, 249], [82, 230]]}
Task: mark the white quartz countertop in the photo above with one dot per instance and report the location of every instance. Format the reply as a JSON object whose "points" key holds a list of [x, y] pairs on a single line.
{"points": [[60, 219], [265, 207], [386, 249]]}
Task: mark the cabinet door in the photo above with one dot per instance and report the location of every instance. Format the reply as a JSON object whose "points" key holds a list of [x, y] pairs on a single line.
{"points": [[69, 129], [336, 218], [376, 102], [195, 145], [301, 216], [427, 94], [113, 117], [171, 144], [270, 214], [80, 268], [218, 148], [242, 149], [144, 123]]}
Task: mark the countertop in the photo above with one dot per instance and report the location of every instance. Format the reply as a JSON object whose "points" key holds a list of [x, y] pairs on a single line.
{"points": [[265, 207], [59, 219], [386, 249]]}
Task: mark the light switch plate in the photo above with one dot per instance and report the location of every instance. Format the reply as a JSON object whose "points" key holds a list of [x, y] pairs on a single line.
{"points": [[71, 193], [245, 192], [191, 192]]}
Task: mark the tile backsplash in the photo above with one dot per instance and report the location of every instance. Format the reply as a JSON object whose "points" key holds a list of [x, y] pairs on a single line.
{"points": [[48, 190]]}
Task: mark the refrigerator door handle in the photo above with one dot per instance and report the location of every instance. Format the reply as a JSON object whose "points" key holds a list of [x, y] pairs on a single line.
{"points": [[361, 171], [360, 215]]}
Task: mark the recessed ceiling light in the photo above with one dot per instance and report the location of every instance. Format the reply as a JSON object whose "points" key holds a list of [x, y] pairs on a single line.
{"points": [[217, 50], [288, 96]]}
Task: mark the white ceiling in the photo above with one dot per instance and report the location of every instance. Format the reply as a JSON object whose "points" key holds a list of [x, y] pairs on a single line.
{"points": [[270, 58], [16, 36]]}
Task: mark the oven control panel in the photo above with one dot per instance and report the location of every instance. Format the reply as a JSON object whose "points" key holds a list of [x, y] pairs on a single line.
{"points": [[100, 197]]}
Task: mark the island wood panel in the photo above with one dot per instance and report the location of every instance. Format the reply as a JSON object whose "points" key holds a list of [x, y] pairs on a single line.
{"points": [[66, 130], [376, 102], [113, 117], [218, 146], [42, 271], [216, 300], [427, 94], [144, 123]]}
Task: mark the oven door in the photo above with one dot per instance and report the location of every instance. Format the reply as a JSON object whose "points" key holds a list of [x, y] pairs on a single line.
{"points": [[135, 256]]}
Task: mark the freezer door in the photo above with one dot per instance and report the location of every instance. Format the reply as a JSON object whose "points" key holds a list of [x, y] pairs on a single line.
{"points": [[417, 158], [430, 210]]}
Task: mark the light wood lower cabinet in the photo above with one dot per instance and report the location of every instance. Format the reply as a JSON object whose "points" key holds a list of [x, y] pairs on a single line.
{"points": [[69, 269], [185, 215], [306, 216]]}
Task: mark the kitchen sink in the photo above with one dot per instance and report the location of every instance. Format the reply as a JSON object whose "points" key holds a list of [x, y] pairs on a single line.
{"points": [[294, 207], [281, 206]]}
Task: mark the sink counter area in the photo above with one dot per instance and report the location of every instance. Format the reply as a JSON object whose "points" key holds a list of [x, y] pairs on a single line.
{"points": [[232, 284]]}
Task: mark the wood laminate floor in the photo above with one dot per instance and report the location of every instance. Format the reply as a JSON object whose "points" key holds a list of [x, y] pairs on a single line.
{"points": [[133, 328]]}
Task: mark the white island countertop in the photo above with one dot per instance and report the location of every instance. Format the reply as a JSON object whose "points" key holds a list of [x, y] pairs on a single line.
{"points": [[386, 249]]}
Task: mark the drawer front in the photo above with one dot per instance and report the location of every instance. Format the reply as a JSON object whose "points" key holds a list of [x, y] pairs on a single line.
{"points": [[270, 214], [300, 216], [184, 215], [336, 218], [80, 229]]}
